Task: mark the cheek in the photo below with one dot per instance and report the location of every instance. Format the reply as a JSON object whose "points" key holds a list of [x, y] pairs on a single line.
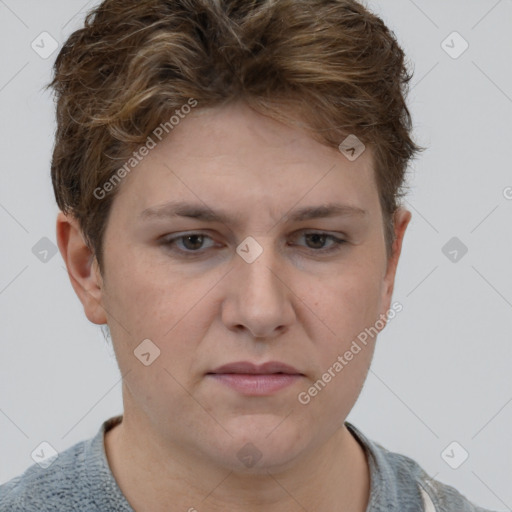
{"points": [[348, 306], [347, 302], [151, 298], [171, 309]]}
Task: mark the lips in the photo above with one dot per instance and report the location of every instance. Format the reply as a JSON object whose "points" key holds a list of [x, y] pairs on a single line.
{"points": [[248, 368], [251, 379]]}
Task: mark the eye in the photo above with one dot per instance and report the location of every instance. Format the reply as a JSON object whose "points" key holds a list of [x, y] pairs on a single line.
{"points": [[189, 242], [317, 240], [199, 243]]}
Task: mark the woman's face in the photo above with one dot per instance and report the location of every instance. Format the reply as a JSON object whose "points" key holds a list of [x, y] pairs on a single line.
{"points": [[259, 278]]}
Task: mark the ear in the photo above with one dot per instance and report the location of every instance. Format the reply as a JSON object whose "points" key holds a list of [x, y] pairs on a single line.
{"points": [[401, 220], [82, 267]]}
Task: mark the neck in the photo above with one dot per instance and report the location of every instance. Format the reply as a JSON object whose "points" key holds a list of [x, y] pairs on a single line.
{"points": [[151, 476]]}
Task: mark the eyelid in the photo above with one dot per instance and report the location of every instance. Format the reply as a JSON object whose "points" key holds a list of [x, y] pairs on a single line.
{"points": [[170, 242], [171, 239], [337, 241]]}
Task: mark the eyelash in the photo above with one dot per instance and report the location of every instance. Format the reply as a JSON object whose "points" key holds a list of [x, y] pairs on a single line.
{"points": [[170, 243]]}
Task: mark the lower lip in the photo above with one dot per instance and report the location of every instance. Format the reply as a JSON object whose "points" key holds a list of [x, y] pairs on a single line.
{"points": [[256, 385]]}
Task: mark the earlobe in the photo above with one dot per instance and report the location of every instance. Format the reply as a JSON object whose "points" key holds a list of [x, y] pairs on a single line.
{"points": [[81, 266]]}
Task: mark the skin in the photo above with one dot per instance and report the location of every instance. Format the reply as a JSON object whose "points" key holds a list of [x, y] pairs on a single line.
{"points": [[177, 446]]}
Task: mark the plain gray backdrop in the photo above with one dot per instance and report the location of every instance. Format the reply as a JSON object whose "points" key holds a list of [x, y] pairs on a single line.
{"points": [[442, 368]]}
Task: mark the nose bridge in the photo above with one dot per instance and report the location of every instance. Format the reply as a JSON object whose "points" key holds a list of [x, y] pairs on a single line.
{"points": [[261, 301], [261, 287]]}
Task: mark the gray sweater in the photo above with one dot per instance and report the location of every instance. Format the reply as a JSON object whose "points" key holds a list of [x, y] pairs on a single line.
{"points": [[79, 479]]}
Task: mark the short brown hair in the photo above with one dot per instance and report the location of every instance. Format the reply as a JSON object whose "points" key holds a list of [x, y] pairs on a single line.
{"points": [[332, 64]]}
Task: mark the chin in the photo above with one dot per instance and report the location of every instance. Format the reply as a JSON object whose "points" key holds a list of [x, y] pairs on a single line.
{"points": [[261, 443]]}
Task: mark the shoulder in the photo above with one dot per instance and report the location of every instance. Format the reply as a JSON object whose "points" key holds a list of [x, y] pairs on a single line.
{"points": [[76, 479], [42, 488], [399, 480], [440, 497]]}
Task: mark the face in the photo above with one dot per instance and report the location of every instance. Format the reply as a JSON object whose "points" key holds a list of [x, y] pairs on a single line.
{"points": [[241, 241]]}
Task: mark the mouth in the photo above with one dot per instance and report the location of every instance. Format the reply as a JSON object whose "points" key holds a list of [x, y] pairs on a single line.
{"points": [[248, 368], [256, 380]]}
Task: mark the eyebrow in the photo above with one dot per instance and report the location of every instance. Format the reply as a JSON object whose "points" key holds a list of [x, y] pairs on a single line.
{"points": [[202, 212]]}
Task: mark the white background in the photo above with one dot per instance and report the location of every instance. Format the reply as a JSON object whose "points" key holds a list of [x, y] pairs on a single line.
{"points": [[441, 371]]}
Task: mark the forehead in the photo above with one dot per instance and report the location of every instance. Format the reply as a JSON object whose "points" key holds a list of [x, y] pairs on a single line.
{"points": [[233, 155]]}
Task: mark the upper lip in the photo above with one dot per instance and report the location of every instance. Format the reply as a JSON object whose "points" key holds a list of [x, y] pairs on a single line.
{"points": [[246, 367]]}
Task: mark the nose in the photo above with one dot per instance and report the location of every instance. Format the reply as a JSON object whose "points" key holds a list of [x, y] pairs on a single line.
{"points": [[258, 297]]}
